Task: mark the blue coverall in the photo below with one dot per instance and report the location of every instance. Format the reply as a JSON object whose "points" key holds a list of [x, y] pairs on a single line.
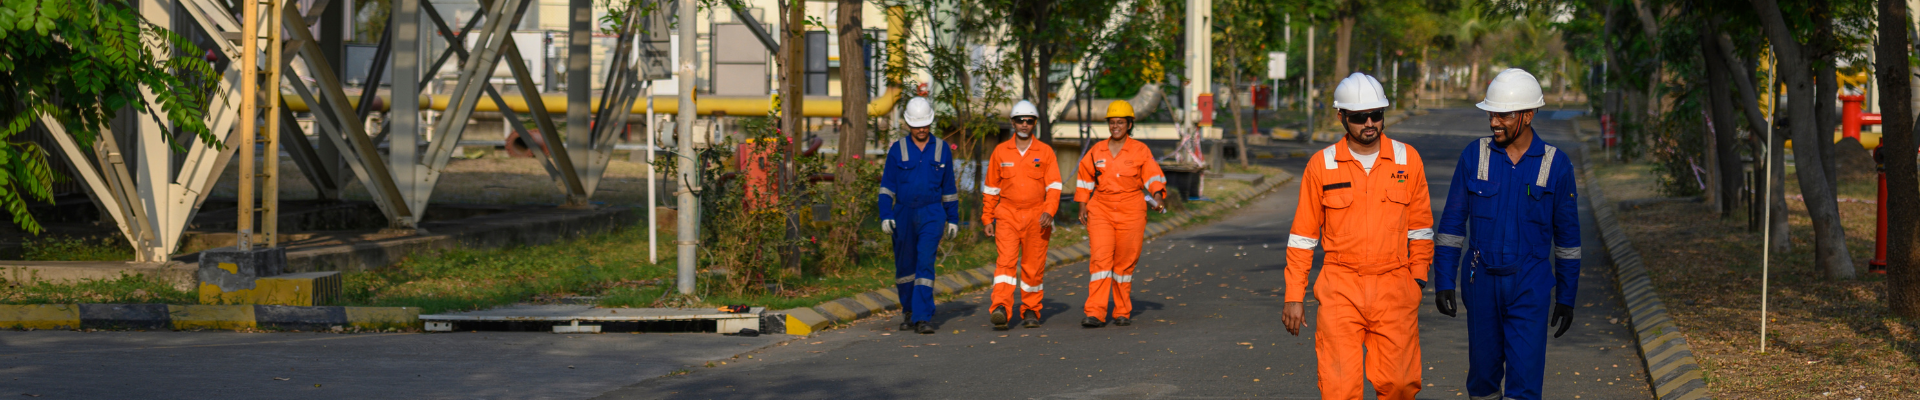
{"points": [[917, 192], [1521, 215]]}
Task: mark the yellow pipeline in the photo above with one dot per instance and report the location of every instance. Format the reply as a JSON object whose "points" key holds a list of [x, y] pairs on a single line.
{"points": [[812, 106]]}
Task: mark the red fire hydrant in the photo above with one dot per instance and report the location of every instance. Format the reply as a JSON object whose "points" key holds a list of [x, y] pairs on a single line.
{"points": [[1851, 119]]}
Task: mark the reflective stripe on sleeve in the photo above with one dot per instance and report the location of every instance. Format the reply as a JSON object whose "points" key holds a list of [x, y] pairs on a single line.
{"points": [[1454, 241], [1053, 186], [990, 191], [950, 198], [1566, 253], [1083, 184], [1420, 234], [1301, 242], [1157, 178]]}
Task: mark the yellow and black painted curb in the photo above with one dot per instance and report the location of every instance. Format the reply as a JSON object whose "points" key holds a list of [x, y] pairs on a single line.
{"points": [[807, 320], [1672, 372], [198, 317]]}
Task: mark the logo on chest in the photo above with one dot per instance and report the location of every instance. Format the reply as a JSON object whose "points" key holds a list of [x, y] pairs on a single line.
{"points": [[1401, 175], [1099, 163]]}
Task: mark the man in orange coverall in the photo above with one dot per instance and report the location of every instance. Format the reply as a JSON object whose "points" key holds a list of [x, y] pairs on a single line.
{"points": [[1118, 181], [1021, 194], [1367, 197]]}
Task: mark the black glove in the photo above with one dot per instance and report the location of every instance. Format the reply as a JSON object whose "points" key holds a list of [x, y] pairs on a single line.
{"points": [[1445, 303], [1562, 317]]}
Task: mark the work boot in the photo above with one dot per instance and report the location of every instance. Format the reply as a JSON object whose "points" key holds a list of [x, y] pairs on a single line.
{"points": [[1092, 322], [1032, 320], [999, 319], [923, 327], [906, 323], [1122, 321]]}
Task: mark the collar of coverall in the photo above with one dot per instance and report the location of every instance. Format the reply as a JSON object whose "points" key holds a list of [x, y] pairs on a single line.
{"points": [[1535, 149], [1342, 153]]}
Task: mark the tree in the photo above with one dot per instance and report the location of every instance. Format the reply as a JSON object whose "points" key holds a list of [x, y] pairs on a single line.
{"points": [[82, 62], [853, 82], [1241, 32], [1894, 72], [1799, 55]]}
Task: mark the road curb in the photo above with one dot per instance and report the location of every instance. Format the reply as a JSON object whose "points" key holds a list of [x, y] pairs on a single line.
{"points": [[198, 317], [1672, 371], [807, 320]]}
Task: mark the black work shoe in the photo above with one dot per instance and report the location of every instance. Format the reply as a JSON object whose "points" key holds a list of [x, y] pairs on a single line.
{"points": [[923, 327], [999, 319], [906, 324], [1092, 322], [1122, 321], [1032, 320]]}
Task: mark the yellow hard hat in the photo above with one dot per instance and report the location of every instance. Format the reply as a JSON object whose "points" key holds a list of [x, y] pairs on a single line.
{"points": [[1120, 109]]}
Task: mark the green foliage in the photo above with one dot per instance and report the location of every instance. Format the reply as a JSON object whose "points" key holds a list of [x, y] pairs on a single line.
{"points": [[81, 62], [61, 248], [127, 289]]}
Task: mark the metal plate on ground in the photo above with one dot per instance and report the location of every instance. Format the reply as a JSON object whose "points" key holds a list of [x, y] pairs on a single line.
{"points": [[563, 315]]}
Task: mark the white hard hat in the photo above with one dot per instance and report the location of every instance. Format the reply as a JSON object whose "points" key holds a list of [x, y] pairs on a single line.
{"points": [[1025, 109], [1513, 90], [919, 112], [1359, 92]]}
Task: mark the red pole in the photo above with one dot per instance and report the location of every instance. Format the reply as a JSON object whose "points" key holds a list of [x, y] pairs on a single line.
{"points": [[1878, 264]]}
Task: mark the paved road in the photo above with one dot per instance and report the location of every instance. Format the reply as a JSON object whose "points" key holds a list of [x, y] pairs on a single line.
{"points": [[1207, 324]]}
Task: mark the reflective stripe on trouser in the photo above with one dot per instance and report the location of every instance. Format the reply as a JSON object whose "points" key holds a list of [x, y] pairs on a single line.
{"points": [[1507, 331], [1021, 264], [1379, 312], [915, 240], [1114, 231]]}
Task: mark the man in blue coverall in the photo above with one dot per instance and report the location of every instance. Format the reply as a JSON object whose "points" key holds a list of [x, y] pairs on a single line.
{"points": [[917, 196], [1518, 194]]}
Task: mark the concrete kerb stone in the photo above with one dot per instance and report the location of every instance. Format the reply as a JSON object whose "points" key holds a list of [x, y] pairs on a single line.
{"points": [[198, 317], [1672, 371], [807, 320]]}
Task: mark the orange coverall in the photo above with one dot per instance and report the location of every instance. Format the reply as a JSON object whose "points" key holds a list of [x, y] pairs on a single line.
{"points": [[1113, 189], [1377, 231], [1021, 188]]}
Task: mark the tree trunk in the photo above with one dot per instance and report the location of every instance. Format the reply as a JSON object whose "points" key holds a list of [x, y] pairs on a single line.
{"points": [[1750, 106], [1042, 91], [1903, 186], [1233, 85], [1829, 238], [1651, 26], [853, 82], [1725, 158], [1342, 46], [1827, 118], [793, 82]]}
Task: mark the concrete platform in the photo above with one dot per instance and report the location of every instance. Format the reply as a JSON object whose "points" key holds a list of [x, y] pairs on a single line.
{"points": [[576, 314]]}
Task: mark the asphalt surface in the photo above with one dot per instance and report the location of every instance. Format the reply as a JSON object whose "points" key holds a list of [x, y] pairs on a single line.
{"points": [[1207, 323]]}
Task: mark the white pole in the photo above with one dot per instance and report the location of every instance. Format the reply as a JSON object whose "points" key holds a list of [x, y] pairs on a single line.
{"points": [[687, 245], [1766, 240], [653, 225]]}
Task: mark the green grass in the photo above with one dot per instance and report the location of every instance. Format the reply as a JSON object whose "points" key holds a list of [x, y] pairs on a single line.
{"points": [[130, 289], [65, 248]]}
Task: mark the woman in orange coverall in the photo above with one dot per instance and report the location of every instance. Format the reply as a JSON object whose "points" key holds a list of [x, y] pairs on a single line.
{"points": [[1118, 180]]}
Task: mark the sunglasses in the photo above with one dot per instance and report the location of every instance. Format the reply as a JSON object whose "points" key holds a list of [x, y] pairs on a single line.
{"points": [[1365, 117], [1503, 115], [1026, 120]]}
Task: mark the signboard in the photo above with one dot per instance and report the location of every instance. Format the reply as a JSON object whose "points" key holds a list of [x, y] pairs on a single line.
{"points": [[1277, 65]]}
